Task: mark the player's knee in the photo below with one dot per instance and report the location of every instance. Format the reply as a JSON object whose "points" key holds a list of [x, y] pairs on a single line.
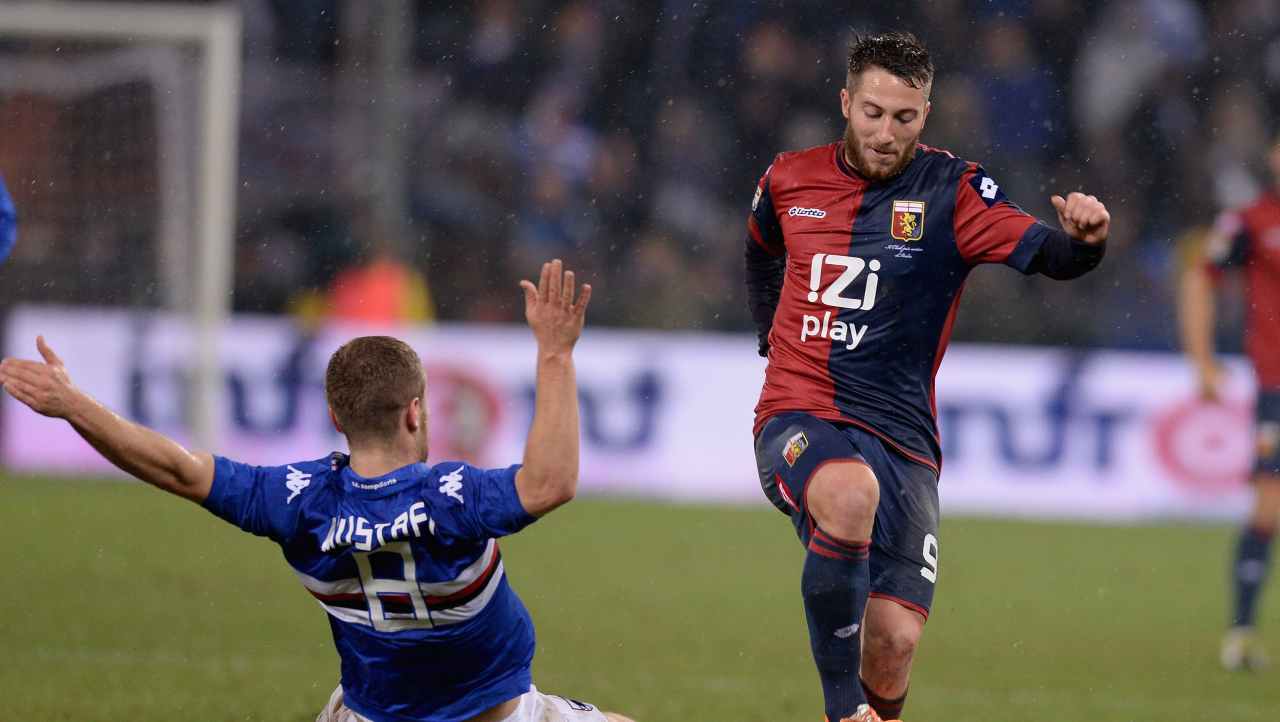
{"points": [[890, 648], [1264, 521], [1265, 516], [842, 498]]}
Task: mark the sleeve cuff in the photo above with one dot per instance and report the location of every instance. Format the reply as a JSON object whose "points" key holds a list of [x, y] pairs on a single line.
{"points": [[1024, 254]]}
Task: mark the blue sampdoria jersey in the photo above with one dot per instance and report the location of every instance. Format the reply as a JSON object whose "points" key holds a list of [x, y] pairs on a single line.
{"points": [[408, 568]]}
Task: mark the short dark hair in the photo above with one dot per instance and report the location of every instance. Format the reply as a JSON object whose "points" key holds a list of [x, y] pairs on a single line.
{"points": [[368, 380], [901, 54]]}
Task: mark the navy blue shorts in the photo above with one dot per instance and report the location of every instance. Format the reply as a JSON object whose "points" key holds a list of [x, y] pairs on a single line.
{"points": [[1267, 433], [904, 541]]}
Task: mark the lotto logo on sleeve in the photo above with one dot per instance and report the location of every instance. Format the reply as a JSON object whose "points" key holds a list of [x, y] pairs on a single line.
{"points": [[907, 223], [987, 189]]}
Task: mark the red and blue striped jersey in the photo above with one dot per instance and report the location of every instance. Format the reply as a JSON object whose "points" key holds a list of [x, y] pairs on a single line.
{"points": [[872, 278], [408, 569], [1251, 242]]}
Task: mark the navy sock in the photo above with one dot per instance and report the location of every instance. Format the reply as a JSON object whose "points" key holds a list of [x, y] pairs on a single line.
{"points": [[888, 709], [1253, 555], [835, 585]]}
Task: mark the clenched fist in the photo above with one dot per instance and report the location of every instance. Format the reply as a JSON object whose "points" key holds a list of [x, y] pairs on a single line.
{"points": [[1083, 217]]}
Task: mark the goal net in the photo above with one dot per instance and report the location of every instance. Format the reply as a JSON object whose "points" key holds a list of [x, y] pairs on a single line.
{"points": [[118, 144]]}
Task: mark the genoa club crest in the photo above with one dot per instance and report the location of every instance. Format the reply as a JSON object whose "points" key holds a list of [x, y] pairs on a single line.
{"points": [[907, 222], [794, 448]]}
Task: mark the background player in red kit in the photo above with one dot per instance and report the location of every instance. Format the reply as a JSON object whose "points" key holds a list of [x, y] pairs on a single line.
{"points": [[1247, 239], [856, 255]]}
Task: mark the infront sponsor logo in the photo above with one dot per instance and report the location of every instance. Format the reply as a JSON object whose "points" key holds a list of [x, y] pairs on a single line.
{"points": [[1203, 446], [1025, 431]]}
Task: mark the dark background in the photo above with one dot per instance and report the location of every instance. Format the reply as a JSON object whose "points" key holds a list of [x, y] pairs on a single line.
{"points": [[627, 138]]}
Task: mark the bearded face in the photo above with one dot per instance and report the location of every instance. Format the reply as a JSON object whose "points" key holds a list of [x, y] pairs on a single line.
{"points": [[885, 119]]}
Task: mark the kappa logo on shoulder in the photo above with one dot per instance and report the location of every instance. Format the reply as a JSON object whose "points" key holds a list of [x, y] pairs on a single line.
{"points": [[295, 482], [452, 486]]}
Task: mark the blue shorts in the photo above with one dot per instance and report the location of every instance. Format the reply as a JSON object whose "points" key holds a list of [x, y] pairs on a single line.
{"points": [[904, 541], [1267, 433]]}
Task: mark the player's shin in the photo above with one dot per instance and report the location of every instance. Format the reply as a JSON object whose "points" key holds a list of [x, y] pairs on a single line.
{"points": [[835, 585], [1253, 557]]}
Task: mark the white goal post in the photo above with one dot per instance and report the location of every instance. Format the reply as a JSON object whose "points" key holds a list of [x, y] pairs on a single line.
{"points": [[215, 30]]}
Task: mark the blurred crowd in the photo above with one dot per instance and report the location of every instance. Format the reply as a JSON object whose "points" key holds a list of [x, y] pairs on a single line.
{"points": [[627, 138]]}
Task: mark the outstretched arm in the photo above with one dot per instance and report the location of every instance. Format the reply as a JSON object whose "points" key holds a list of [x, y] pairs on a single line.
{"points": [[990, 229], [46, 388], [549, 476]]}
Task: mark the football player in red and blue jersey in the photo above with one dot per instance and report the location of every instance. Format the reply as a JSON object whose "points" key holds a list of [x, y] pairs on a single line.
{"points": [[857, 253], [1248, 240], [402, 555]]}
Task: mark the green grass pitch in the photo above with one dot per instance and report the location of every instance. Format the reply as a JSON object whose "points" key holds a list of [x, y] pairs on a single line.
{"points": [[122, 603]]}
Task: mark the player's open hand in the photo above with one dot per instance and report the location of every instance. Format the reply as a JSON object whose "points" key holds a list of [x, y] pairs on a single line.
{"points": [[553, 314], [1083, 217], [45, 387]]}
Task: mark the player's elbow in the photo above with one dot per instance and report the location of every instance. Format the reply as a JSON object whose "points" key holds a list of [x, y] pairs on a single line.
{"points": [[191, 476], [562, 490], [544, 493], [1196, 280]]}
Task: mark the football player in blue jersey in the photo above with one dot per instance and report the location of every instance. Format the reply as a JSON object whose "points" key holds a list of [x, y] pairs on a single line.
{"points": [[402, 555]]}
